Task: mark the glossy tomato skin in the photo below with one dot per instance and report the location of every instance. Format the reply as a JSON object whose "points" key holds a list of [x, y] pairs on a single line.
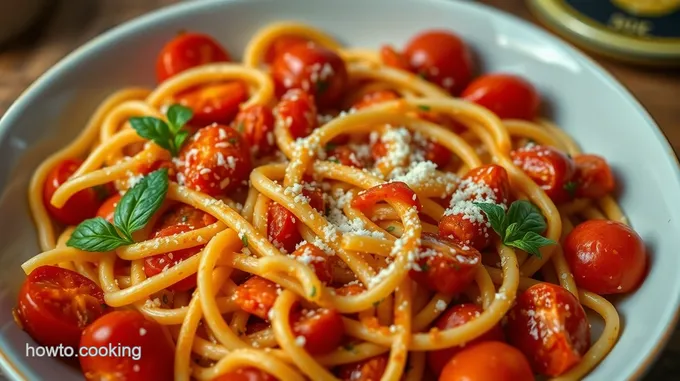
{"points": [[186, 51], [297, 111], [183, 214], [215, 161], [392, 58], [508, 96], [55, 305], [375, 97], [450, 270], [156, 264], [606, 257], [257, 296], [394, 191], [127, 329], [80, 206], [370, 369], [281, 45], [594, 177], [493, 176], [246, 374], [550, 168], [346, 156], [322, 329], [256, 124], [214, 102], [313, 69], [282, 224], [550, 327], [108, 208], [453, 317], [488, 361], [317, 259], [442, 58]]}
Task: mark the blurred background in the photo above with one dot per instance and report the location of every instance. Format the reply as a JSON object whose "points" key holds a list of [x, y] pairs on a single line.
{"points": [[35, 34]]}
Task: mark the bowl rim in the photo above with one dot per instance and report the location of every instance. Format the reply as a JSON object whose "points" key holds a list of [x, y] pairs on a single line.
{"points": [[132, 26]]}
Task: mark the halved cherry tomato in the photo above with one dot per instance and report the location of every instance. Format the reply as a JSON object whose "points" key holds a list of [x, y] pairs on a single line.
{"points": [[506, 95], [256, 124], [298, 112], [154, 358], [282, 224], [317, 259], [375, 97], [321, 329], [444, 265], [186, 51], [281, 45], [594, 178], [396, 191], [420, 146], [246, 374], [80, 206], [345, 156], [257, 296], [314, 69], [370, 369], [440, 57], [488, 361], [215, 102], [156, 264], [550, 168], [392, 58], [55, 305], [187, 215], [108, 208], [606, 257], [550, 327], [485, 183], [453, 317], [215, 161]]}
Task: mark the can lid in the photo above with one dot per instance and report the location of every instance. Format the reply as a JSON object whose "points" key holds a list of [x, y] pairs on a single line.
{"points": [[644, 31]]}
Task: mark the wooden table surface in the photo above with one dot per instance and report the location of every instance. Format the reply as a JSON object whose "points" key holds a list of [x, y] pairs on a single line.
{"points": [[70, 23]]}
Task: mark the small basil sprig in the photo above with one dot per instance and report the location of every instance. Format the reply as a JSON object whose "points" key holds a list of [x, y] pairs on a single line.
{"points": [[170, 135], [521, 227], [133, 212]]}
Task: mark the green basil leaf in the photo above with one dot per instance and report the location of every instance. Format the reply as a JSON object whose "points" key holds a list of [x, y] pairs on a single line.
{"points": [[136, 207], [527, 216], [178, 116], [513, 233], [496, 216], [531, 242], [180, 138], [155, 130], [96, 234]]}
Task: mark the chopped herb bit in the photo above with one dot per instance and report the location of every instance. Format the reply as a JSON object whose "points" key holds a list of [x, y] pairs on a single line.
{"points": [[244, 239], [570, 187], [313, 292], [390, 228], [330, 146], [424, 107]]}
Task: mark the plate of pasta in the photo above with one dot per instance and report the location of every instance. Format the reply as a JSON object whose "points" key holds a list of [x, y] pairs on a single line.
{"points": [[312, 191]]}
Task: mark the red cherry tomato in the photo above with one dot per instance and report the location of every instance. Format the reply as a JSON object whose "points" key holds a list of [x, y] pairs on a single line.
{"points": [[442, 58], [186, 215], [375, 97], [606, 257], [350, 289], [314, 69], [444, 265], [345, 156], [156, 264], [506, 95], [257, 296], [186, 51], [146, 169], [55, 305], [282, 224], [246, 374], [550, 168], [370, 369], [321, 329], [428, 149], [317, 259], [281, 45], [298, 112], [108, 208], [392, 58], [453, 317], [256, 124], [594, 178], [127, 329], [214, 103], [488, 361], [550, 327], [395, 191], [215, 161], [80, 206]]}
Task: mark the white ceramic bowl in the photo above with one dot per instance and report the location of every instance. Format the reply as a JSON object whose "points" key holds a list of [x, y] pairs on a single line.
{"points": [[582, 98]]}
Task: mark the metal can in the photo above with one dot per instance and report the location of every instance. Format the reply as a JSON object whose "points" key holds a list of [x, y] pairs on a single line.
{"points": [[639, 31]]}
